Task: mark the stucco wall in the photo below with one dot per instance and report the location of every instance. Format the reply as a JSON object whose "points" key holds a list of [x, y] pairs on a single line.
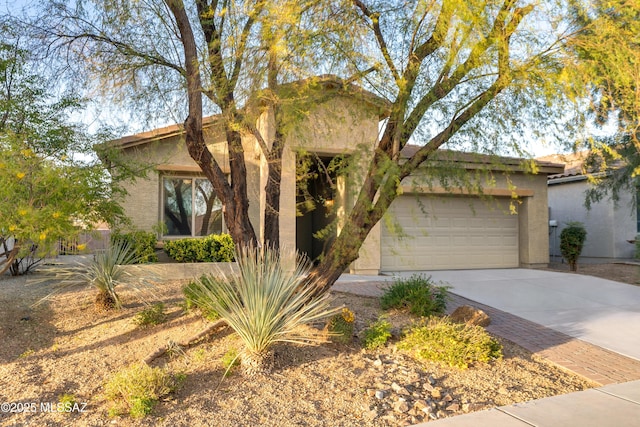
{"points": [[608, 227]]}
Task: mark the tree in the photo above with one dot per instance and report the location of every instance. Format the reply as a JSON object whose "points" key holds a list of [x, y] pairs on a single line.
{"points": [[46, 193], [457, 73], [228, 57], [608, 68]]}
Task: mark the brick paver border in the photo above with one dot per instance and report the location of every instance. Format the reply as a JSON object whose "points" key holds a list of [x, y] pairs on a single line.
{"points": [[590, 361]]}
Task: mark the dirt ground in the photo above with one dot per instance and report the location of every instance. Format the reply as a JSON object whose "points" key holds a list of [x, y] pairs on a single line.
{"points": [[625, 273], [65, 346]]}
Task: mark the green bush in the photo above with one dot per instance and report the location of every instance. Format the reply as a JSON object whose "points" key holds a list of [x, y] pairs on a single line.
{"points": [[572, 240], [196, 298], [143, 244], [137, 389], [454, 344], [153, 315], [418, 294], [212, 248], [377, 334]]}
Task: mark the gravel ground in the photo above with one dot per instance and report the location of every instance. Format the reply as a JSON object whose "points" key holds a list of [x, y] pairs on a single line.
{"points": [[64, 346]]}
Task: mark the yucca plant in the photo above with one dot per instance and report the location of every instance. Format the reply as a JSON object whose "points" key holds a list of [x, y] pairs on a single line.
{"points": [[104, 273], [265, 304]]}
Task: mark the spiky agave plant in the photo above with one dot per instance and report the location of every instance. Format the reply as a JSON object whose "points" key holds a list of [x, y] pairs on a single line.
{"points": [[265, 304], [104, 273]]}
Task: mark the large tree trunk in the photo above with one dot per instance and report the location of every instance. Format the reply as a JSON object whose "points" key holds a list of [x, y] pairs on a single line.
{"points": [[233, 196]]}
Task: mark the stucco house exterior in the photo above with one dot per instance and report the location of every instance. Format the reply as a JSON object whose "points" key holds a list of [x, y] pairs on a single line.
{"points": [[428, 227], [610, 226]]}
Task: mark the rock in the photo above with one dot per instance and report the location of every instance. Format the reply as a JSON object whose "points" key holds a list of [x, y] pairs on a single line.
{"points": [[466, 407], [371, 392], [470, 315], [427, 387], [447, 398], [420, 403], [377, 362], [503, 391], [371, 415], [453, 407], [401, 407], [435, 393], [431, 380], [380, 394]]}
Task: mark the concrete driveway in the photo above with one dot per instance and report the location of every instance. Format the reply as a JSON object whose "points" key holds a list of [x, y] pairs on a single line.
{"points": [[599, 311]]}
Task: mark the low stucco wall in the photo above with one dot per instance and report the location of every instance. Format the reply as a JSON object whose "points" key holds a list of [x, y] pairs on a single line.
{"points": [[179, 271]]}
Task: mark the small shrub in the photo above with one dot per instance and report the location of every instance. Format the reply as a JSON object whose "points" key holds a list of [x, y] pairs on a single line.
{"points": [[418, 294], [454, 344], [572, 240], [67, 399], [340, 326], [212, 248], [195, 298], [377, 334], [230, 360], [142, 243], [136, 389], [153, 315]]}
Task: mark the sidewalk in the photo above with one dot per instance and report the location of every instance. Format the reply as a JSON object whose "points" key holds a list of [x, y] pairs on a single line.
{"points": [[568, 302]]}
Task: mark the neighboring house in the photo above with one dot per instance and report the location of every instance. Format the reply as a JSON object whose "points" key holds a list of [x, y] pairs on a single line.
{"points": [[610, 226], [441, 229]]}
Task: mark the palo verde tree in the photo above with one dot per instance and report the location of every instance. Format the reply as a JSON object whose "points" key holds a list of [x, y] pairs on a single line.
{"points": [[46, 191], [199, 57], [607, 67], [464, 74]]}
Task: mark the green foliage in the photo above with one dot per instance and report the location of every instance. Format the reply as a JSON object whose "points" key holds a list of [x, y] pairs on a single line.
{"points": [[212, 248], [230, 360], [46, 191], [637, 245], [341, 325], [457, 345], [143, 244], [137, 389], [572, 240], [195, 298], [267, 303], [418, 294], [153, 315], [377, 334]]}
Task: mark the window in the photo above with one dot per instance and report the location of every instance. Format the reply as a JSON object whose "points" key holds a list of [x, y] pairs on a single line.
{"points": [[190, 207]]}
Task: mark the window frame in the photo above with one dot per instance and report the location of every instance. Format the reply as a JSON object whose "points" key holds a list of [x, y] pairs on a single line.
{"points": [[193, 178]]}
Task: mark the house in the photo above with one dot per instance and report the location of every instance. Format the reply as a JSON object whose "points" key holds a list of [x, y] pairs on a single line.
{"points": [[610, 226], [428, 227]]}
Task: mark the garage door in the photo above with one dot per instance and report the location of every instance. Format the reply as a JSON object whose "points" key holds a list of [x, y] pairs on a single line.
{"points": [[435, 233]]}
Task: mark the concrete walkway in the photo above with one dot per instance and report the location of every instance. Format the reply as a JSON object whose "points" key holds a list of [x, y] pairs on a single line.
{"points": [[584, 324]]}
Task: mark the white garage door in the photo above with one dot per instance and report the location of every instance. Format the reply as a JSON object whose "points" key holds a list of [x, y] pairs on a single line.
{"points": [[439, 233]]}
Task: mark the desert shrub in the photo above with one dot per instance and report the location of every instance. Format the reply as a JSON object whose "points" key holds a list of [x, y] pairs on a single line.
{"points": [[143, 244], [266, 304], [212, 248], [136, 389], [454, 344], [572, 240], [418, 294], [153, 315], [195, 297], [377, 334], [340, 326], [105, 272]]}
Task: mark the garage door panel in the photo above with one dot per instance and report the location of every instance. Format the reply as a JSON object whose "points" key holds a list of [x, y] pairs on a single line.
{"points": [[454, 233]]}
